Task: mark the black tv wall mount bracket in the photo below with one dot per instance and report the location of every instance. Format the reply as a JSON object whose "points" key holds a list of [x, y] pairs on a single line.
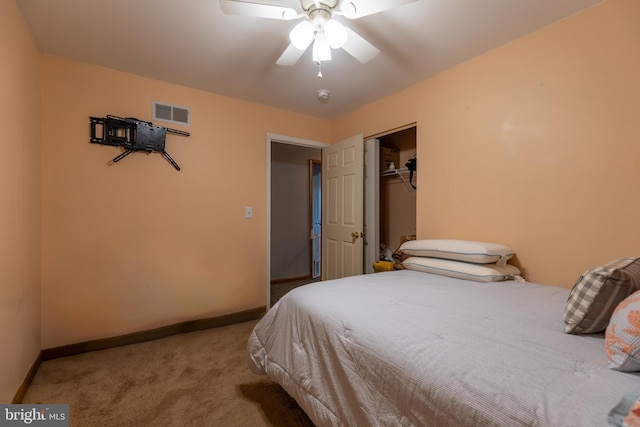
{"points": [[133, 135]]}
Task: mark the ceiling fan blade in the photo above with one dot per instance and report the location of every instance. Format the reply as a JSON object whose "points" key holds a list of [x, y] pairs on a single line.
{"points": [[358, 47], [290, 56], [353, 9], [258, 10]]}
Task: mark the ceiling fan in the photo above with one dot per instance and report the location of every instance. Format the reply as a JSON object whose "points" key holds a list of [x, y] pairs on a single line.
{"points": [[319, 26]]}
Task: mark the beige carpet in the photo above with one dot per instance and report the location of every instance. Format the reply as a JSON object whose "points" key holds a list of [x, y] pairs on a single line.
{"points": [[195, 379]]}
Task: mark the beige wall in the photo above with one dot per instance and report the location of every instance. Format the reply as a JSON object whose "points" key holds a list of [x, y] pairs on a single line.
{"points": [[136, 244], [534, 144], [19, 200]]}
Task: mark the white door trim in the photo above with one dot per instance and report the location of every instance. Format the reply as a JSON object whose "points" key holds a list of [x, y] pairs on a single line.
{"points": [[371, 203], [272, 137]]}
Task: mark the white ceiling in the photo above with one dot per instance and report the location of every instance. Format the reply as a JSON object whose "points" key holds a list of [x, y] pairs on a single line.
{"points": [[192, 43]]}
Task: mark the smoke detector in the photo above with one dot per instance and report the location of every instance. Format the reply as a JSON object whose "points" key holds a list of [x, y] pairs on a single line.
{"points": [[323, 95]]}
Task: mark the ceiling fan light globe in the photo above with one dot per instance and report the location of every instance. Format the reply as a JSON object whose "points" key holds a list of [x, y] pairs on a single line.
{"points": [[301, 35], [336, 34], [348, 9], [321, 48]]}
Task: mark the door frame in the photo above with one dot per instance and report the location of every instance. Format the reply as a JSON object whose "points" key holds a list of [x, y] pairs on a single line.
{"points": [[281, 139], [371, 204]]}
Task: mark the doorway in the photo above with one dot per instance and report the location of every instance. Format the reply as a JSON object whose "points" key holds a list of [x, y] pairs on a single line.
{"points": [[390, 197], [289, 256]]}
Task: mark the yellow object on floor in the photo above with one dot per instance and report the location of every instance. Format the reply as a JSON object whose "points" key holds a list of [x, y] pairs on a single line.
{"points": [[382, 266]]}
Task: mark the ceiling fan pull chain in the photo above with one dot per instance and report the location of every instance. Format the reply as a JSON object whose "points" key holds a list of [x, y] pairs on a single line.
{"points": [[319, 69]]}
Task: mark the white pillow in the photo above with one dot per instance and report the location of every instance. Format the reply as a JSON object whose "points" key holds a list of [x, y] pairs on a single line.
{"points": [[463, 270], [459, 250]]}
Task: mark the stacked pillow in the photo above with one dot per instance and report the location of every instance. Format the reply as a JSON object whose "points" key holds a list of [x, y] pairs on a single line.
{"points": [[463, 259]]}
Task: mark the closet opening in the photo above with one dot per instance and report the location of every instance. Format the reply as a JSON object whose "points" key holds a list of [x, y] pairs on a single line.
{"points": [[392, 220]]}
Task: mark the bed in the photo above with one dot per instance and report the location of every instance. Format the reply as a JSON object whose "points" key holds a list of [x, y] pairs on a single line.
{"points": [[409, 348]]}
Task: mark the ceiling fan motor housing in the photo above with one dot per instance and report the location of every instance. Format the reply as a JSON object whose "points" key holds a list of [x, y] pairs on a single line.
{"points": [[319, 16], [308, 4]]}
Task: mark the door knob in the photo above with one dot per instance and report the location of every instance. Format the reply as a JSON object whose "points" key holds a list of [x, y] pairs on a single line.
{"points": [[356, 234]]}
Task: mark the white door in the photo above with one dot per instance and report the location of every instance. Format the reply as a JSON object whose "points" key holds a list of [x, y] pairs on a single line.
{"points": [[342, 208]]}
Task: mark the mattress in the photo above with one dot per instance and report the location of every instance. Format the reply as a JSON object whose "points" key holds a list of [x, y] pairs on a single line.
{"points": [[407, 348]]}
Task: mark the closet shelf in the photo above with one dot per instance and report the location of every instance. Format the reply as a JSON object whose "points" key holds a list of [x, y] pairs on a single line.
{"points": [[393, 172], [403, 173]]}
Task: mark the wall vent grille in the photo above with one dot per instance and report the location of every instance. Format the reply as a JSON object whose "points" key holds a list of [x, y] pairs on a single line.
{"points": [[171, 113]]}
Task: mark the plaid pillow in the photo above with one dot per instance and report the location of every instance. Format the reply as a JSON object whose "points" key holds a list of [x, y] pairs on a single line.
{"points": [[597, 293]]}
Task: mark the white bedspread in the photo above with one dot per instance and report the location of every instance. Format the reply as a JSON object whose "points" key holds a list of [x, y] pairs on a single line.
{"points": [[406, 348]]}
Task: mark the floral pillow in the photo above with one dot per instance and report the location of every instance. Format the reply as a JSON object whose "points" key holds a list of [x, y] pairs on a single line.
{"points": [[622, 339]]}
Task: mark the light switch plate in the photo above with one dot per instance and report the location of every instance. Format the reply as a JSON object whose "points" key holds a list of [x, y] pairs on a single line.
{"points": [[248, 212]]}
